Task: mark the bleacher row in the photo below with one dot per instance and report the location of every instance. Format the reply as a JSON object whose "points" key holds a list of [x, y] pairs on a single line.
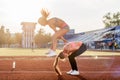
{"points": [[89, 36], [95, 36]]}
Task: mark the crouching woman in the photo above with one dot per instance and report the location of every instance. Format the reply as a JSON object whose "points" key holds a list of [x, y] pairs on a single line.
{"points": [[70, 50]]}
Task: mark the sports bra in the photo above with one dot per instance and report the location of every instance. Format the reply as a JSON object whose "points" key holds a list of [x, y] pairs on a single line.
{"points": [[56, 23]]}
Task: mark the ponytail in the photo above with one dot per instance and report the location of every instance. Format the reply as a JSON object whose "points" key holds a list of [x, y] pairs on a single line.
{"points": [[45, 13], [43, 20]]}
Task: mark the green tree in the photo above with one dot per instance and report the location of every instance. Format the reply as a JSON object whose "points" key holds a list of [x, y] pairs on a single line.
{"points": [[18, 38], [111, 19], [2, 36], [41, 38], [7, 38]]}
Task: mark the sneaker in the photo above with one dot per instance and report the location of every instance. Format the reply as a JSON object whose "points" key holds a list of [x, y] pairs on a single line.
{"points": [[52, 53], [74, 72], [50, 50], [69, 72]]}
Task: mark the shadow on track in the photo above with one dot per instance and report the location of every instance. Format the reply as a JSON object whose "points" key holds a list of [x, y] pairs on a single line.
{"points": [[81, 77], [78, 76], [60, 77]]}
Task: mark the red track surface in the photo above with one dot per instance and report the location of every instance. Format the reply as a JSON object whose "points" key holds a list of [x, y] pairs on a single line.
{"points": [[40, 68]]}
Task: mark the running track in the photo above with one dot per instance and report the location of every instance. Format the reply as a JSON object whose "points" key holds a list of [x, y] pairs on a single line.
{"points": [[40, 68]]}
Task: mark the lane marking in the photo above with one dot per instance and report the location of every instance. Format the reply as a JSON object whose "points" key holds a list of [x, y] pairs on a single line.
{"points": [[1, 72]]}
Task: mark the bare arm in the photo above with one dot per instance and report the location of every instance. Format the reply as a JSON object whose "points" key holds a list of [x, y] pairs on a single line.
{"points": [[65, 41], [51, 23], [56, 68], [52, 27]]}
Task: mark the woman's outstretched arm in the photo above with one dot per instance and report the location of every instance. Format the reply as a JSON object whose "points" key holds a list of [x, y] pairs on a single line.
{"points": [[65, 41], [55, 65]]}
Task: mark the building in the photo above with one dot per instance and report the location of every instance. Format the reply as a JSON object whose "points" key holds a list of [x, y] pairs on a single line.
{"points": [[28, 34]]}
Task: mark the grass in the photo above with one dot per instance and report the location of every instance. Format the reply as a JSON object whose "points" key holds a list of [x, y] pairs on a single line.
{"points": [[41, 52], [21, 52]]}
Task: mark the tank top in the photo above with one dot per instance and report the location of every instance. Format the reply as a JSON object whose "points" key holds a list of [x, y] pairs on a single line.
{"points": [[75, 44]]}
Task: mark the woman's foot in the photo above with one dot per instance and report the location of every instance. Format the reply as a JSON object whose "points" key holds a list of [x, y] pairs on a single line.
{"points": [[73, 72], [51, 53], [69, 72]]}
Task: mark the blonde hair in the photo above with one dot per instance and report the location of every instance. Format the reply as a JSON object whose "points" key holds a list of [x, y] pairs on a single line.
{"points": [[42, 20], [45, 13]]}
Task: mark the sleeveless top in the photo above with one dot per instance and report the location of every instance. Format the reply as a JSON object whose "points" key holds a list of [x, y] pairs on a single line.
{"points": [[56, 23], [72, 45]]}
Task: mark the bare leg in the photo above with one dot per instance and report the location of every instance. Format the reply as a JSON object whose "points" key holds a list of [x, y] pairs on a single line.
{"points": [[57, 35]]}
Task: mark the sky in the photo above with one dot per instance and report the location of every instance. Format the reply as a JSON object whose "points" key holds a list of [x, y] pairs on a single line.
{"points": [[81, 15]]}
